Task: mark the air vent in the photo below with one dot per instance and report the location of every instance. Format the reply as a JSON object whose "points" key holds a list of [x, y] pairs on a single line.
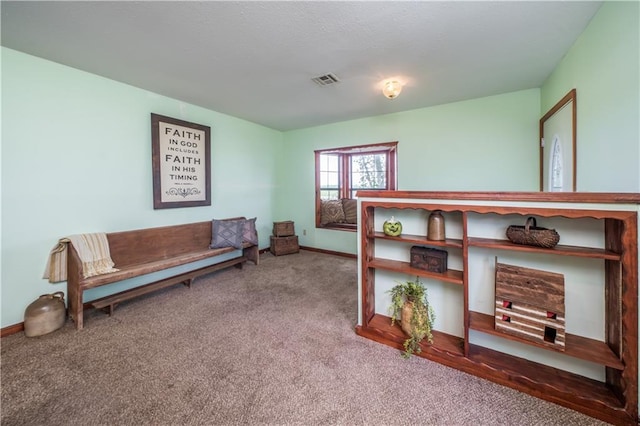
{"points": [[325, 80]]}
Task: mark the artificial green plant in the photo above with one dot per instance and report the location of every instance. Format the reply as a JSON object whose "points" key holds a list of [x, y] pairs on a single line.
{"points": [[422, 316]]}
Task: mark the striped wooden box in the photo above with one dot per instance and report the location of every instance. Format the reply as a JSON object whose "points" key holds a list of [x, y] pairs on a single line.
{"points": [[530, 305]]}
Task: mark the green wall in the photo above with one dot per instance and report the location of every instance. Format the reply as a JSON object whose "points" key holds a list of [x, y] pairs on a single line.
{"points": [[76, 151], [492, 143], [487, 144], [76, 158], [603, 65]]}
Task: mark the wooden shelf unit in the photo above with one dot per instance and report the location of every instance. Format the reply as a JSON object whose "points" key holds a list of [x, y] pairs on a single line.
{"points": [[615, 399]]}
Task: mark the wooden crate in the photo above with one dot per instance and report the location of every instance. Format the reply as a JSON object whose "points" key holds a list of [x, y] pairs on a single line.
{"points": [[284, 245], [283, 229], [530, 305], [429, 259]]}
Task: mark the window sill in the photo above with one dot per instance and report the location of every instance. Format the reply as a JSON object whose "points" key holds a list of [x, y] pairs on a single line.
{"points": [[352, 227]]}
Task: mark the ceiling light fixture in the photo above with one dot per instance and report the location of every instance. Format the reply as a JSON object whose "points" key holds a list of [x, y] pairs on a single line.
{"points": [[391, 89]]}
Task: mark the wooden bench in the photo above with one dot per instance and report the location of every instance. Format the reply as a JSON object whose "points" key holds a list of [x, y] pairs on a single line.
{"points": [[144, 251]]}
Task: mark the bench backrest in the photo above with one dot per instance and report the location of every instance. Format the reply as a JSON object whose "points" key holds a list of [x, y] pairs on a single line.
{"points": [[146, 245]]}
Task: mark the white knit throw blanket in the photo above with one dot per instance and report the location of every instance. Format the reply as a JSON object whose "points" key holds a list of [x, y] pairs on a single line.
{"points": [[93, 251]]}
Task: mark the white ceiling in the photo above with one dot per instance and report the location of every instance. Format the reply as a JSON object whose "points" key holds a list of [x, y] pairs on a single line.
{"points": [[255, 60]]}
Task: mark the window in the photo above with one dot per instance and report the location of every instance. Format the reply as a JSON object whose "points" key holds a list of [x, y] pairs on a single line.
{"points": [[342, 172]]}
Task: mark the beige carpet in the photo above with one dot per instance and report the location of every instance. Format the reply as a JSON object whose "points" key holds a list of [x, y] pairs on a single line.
{"points": [[267, 345]]}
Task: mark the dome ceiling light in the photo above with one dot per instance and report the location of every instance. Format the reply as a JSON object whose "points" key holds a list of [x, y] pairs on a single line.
{"points": [[391, 89]]}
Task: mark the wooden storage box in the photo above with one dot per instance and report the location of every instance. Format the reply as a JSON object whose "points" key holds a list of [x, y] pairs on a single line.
{"points": [[283, 229], [284, 245], [530, 305], [429, 259]]}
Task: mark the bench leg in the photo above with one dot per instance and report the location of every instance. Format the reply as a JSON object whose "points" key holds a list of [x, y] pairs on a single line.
{"points": [[75, 306], [109, 309], [252, 253]]}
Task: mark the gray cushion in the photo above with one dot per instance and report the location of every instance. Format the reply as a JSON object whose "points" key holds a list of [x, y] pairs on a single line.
{"points": [[226, 233], [249, 233], [350, 208]]}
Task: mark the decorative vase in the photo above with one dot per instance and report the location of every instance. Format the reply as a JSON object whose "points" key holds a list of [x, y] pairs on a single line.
{"points": [[405, 320], [392, 227], [45, 314], [435, 228]]}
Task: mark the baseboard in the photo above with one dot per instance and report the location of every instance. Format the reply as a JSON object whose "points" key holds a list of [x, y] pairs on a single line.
{"points": [[12, 329], [317, 250], [17, 328], [335, 253]]}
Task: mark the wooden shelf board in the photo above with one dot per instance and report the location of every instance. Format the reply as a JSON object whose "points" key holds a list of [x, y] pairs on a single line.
{"points": [[451, 275], [575, 346], [568, 389], [561, 250], [420, 239], [392, 335]]}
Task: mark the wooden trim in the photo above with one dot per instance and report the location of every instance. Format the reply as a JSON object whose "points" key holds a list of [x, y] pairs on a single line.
{"points": [[521, 210], [569, 97], [318, 201], [335, 253], [555, 197], [368, 285], [466, 318], [12, 329], [351, 227], [575, 140], [356, 149], [392, 166], [344, 171]]}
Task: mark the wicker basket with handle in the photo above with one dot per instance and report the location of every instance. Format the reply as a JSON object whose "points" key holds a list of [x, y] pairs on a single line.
{"points": [[531, 235]]}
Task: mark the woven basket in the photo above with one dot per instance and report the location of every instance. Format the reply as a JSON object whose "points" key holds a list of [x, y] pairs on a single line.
{"points": [[531, 235]]}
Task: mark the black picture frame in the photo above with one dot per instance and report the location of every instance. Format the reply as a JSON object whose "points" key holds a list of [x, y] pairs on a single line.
{"points": [[181, 160]]}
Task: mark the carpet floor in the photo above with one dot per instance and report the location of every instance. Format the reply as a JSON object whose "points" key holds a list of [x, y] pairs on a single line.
{"points": [[272, 344]]}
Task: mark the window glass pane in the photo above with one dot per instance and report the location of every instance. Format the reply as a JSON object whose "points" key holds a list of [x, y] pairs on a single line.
{"points": [[326, 194], [332, 163], [329, 180], [368, 171], [328, 162], [329, 171]]}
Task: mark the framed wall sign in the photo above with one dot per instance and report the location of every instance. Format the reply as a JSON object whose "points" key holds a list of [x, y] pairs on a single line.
{"points": [[181, 163], [558, 145]]}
